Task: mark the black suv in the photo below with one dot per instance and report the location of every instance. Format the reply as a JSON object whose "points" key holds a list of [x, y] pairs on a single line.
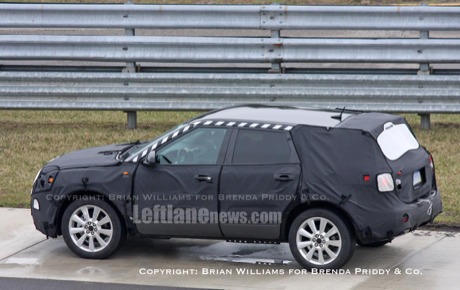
{"points": [[322, 180]]}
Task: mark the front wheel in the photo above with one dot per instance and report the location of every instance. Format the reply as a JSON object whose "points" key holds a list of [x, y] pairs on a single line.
{"points": [[92, 229], [319, 238]]}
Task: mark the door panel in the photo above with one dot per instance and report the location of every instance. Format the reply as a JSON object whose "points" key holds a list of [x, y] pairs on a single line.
{"points": [[256, 190], [177, 196], [174, 188], [260, 177]]}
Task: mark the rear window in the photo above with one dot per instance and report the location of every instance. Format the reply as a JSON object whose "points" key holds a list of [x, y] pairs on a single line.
{"points": [[396, 140]]}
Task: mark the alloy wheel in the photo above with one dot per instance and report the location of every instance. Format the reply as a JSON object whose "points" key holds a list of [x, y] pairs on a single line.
{"points": [[90, 228]]}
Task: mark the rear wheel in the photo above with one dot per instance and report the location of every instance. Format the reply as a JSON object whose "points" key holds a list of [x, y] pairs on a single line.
{"points": [[319, 238], [92, 229]]}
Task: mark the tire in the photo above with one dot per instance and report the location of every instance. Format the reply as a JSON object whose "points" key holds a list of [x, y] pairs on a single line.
{"points": [[90, 236], [319, 238], [374, 244]]}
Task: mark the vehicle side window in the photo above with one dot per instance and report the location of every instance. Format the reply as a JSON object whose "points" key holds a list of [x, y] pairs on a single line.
{"points": [[261, 147], [200, 146]]}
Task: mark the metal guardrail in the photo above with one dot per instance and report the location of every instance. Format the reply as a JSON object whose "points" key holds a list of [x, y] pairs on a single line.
{"points": [[113, 91], [270, 17], [132, 91], [231, 49]]}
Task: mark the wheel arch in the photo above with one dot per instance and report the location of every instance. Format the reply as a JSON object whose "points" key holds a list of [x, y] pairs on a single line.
{"points": [[296, 211], [88, 194]]}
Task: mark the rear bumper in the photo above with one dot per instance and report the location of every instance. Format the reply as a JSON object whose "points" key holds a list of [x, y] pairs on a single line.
{"points": [[423, 211], [406, 218]]}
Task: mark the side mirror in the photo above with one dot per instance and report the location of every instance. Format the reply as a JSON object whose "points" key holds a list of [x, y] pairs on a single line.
{"points": [[151, 158]]}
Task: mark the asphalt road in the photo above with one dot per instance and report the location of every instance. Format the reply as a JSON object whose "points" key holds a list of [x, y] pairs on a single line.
{"points": [[27, 284], [420, 260]]}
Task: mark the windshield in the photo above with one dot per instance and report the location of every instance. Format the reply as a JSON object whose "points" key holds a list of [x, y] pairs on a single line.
{"points": [[396, 140], [138, 148]]}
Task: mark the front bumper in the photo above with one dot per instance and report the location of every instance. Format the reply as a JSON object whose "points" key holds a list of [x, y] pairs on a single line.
{"points": [[44, 212]]}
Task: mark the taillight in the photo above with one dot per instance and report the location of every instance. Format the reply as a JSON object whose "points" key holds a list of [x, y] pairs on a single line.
{"points": [[405, 218], [385, 182], [430, 159]]}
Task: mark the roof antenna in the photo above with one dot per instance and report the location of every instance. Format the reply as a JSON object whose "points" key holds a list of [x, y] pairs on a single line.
{"points": [[339, 117]]}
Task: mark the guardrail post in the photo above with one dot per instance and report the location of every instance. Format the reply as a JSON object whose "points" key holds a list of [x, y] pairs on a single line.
{"points": [[425, 121], [424, 69], [130, 68], [272, 20], [276, 65], [132, 119]]}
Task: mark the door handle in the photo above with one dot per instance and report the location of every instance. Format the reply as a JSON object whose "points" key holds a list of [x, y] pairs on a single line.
{"points": [[284, 176], [204, 178]]}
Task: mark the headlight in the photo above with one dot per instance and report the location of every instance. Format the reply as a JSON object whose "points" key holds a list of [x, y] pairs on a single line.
{"points": [[35, 180], [45, 180]]}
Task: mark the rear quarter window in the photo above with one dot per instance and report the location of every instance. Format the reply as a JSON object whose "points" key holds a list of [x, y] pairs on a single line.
{"points": [[396, 140]]}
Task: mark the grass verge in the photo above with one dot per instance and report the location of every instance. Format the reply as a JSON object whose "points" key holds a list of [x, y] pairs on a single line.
{"points": [[28, 139]]}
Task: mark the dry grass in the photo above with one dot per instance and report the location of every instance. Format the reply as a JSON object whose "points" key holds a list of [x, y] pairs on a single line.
{"points": [[30, 138]]}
